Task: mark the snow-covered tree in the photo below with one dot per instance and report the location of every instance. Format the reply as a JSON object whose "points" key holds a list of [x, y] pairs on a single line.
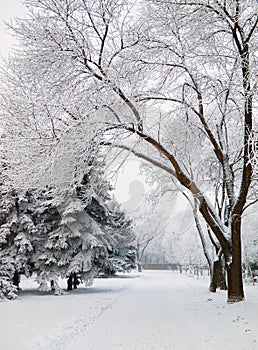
{"points": [[253, 154], [77, 246], [94, 67], [91, 229], [7, 288], [105, 210], [207, 80], [17, 232], [63, 235], [250, 242]]}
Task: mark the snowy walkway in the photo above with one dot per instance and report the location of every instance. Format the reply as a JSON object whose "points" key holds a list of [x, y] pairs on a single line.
{"points": [[167, 311], [157, 311]]}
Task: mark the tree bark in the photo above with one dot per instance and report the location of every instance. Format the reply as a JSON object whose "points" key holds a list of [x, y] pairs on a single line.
{"points": [[215, 277], [201, 234], [52, 284], [70, 282], [218, 278], [75, 280], [234, 267], [223, 278], [16, 279], [139, 265]]}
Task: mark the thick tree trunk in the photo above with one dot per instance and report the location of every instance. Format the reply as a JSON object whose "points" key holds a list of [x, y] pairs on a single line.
{"points": [[139, 265], [215, 276], [222, 280], [16, 279], [218, 278], [70, 282], [75, 281], [234, 268], [52, 284]]}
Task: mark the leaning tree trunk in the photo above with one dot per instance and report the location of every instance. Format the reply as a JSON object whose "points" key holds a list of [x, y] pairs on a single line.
{"points": [[201, 235], [234, 267]]}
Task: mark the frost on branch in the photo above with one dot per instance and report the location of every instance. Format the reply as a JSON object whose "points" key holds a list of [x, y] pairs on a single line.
{"points": [[253, 153]]}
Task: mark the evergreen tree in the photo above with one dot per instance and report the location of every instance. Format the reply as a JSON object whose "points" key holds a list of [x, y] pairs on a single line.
{"points": [[17, 231], [75, 235], [76, 246], [105, 210]]}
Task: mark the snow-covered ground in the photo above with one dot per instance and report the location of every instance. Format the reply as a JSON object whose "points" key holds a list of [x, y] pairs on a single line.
{"points": [[155, 310]]}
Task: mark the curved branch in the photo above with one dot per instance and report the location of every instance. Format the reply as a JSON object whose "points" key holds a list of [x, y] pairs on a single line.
{"points": [[206, 210]]}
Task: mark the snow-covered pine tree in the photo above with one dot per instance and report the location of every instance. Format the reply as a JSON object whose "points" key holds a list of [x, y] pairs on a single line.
{"points": [[7, 288], [27, 217], [49, 235], [76, 246], [77, 233], [17, 232], [90, 236], [118, 228], [105, 210]]}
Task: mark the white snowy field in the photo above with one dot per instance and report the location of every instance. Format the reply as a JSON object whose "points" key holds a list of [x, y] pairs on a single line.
{"points": [[155, 310]]}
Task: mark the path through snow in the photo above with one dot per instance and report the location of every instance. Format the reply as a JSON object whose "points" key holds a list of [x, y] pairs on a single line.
{"points": [[159, 310], [163, 310]]}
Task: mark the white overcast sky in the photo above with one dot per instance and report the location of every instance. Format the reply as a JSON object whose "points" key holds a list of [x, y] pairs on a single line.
{"points": [[8, 9]]}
